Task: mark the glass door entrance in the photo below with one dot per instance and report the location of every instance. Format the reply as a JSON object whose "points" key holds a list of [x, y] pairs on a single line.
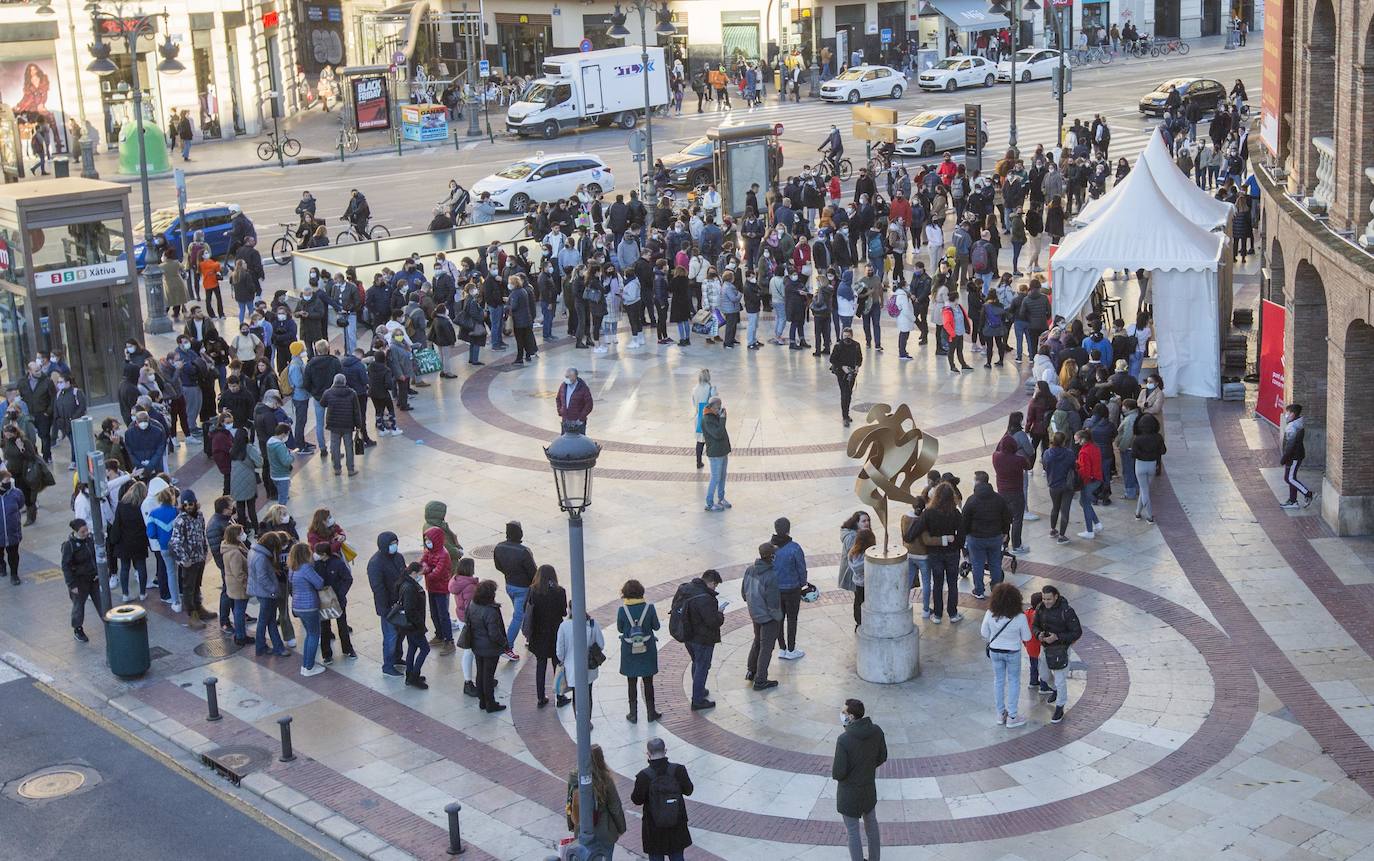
{"points": [[89, 343]]}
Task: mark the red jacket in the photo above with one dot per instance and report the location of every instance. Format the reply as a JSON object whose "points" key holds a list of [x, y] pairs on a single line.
{"points": [[900, 208], [1010, 466], [435, 562], [578, 406], [1089, 463], [1032, 645], [834, 188], [947, 320], [947, 170]]}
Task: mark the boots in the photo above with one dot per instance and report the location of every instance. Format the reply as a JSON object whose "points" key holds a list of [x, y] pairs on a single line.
{"points": [[633, 716], [193, 621], [649, 700], [31, 515], [416, 681], [446, 649]]}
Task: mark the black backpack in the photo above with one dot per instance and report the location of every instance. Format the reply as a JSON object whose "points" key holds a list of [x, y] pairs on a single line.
{"points": [[679, 622], [665, 805]]}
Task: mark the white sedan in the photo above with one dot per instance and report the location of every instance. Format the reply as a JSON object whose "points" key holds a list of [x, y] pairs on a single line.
{"points": [[952, 73], [930, 132], [864, 82], [1031, 64], [545, 178]]}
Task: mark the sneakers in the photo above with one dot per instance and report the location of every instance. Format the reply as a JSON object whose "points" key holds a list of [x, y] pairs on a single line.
{"points": [[1098, 527], [793, 655], [768, 685], [1030, 517], [936, 620], [704, 704], [1061, 540], [925, 614], [1290, 504], [1014, 722], [1020, 551], [80, 635], [1307, 500], [981, 596], [1086, 535], [176, 608], [510, 655], [1058, 715], [957, 617], [291, 643], [312, 671]]}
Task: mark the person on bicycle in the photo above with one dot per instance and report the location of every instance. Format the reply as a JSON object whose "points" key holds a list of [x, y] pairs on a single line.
{"points": [[457, 201], [833, 149], [358, 213], [883, 153], [305, 211]]}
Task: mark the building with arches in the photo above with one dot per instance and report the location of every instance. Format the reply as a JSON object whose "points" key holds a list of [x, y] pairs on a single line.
{"points": [[1315, 165]]}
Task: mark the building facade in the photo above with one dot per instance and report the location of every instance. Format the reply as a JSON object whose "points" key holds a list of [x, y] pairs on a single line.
{"points": [[1316, 174], [235, 55]]}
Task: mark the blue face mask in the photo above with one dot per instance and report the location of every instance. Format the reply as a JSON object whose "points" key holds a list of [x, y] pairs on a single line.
{"points": [[394, 548]]}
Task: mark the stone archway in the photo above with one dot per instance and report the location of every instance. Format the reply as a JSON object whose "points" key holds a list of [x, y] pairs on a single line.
{"points": [[1306, 345], [1348, 489]]}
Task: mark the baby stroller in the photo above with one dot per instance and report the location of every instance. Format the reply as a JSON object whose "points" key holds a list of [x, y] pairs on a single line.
{"points": [[1009, 561]]}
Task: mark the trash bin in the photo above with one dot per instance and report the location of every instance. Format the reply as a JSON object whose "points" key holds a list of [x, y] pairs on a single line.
{"points": [[61, 167], [126, 641]]}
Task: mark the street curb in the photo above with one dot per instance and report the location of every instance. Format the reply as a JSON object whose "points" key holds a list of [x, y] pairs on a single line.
{"points": [[328, 823]]}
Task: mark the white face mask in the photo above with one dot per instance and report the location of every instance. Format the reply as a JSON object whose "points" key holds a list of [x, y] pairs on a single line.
{"points": [[846, 718], [329, 521], [429, 545], [142, 425]]}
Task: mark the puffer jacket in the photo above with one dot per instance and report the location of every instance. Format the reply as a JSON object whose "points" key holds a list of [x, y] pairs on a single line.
{"points": [[262, 573]]}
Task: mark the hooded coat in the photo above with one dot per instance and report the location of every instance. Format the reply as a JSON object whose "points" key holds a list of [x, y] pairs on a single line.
{"points": [[435, 514], [435, 562], [385, 570], [513, 559], [859, 751]]}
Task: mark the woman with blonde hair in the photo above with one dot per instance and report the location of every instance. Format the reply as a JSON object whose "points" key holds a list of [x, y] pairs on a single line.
{"points": [[608, 818], [701, 396], [1068, 372]]}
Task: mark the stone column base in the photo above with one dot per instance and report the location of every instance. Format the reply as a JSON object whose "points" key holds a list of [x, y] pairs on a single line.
{"points": [[889, 661], [1347, 515], [889, 646]]}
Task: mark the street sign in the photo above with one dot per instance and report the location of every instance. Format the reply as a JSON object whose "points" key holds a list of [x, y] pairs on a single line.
{"points": [[484, 68], [885, 35], [865, 114], [398, 58], [179, 177], [585, 45], [637, 141], [973, 136], [871, 132]]}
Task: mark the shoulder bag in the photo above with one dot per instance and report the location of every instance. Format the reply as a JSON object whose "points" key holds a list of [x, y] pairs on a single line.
{"points": [[465, 635], [987, 649], [329, 604]]}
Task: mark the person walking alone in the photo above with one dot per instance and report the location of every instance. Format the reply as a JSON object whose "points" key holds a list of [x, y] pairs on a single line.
{"points": [[1291, 457], [845, 361], [860, 751], [717, 453], [80, 574], [661, 789], [1148, 448], [637, 620]]}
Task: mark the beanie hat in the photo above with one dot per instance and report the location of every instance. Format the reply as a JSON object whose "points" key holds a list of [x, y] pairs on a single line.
{"points": [[297, 347]]}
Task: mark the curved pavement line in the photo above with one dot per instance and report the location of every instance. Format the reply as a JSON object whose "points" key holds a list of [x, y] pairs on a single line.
{"points": [[1236, 697], [476, 396]]}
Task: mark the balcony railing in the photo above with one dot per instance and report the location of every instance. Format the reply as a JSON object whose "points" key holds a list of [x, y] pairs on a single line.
{"points": [[1325, 191]]}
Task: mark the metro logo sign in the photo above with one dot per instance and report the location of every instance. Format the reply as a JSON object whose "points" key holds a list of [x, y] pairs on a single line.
{"points": [[632, 69], [80, 274]]}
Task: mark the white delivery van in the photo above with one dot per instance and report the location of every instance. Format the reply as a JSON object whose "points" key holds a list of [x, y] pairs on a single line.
{"points": [[601, 87]]}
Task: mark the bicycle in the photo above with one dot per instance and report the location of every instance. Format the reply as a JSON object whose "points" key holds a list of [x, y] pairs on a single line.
{"points": [[289, 146], [843, 168], [350, 234], [1170, 46], [348, 139], [285, 244]]}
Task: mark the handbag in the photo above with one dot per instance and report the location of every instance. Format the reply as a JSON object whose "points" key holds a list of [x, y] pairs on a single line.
{"points": [[358, 445], [465, 635], [527, 619], [396, 616], [427, 360], [330, 608], [1056, 656], [702, 317], [987, 649], [349, 554]]}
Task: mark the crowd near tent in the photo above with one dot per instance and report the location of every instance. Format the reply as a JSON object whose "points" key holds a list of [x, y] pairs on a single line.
{"points": [[1157, 220]]}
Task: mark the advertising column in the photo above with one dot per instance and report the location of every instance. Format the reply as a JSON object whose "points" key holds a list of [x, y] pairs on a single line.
{"points": [[1272, 364]]}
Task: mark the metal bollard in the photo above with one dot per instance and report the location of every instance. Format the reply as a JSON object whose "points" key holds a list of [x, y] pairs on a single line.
{"points": [[455, 837], [455, 142], [212, 699], [286, 753], [341, 148]]}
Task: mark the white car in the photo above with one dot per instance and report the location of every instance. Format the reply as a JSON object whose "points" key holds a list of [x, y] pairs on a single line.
{"points": [[1031, 64], [952, 73], [545, 178], [864, 82], [930, 132]]}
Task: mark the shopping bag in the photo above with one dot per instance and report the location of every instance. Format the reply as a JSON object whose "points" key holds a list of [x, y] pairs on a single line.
{"points": [[427, 360]]}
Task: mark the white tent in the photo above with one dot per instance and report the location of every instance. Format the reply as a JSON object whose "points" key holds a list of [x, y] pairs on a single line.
{"points": [[1196, 205], [1140, 229]]}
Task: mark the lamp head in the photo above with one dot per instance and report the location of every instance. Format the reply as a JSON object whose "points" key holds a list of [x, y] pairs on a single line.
{"points": [[665, 21], [618, 30], [572, 457], [170, 65], [101, 64]]}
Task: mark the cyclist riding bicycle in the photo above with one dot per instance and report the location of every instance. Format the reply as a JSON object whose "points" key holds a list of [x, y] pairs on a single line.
{"points": [[833, 148], [358, 213], [883, 153], [457, 201]]}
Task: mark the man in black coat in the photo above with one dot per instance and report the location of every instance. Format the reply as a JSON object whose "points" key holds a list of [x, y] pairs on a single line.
{"points": [[704, 617], [1057, 628], [38, 394], [516, 564], [341, 419], [522, 319], [385, 570], [660, 788], [987, 520], [79, 573], [319, 376], [845, 360]]}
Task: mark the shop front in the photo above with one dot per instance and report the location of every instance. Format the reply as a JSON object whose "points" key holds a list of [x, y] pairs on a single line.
{"points": [[523, 41], [65, 279], [1096, 20], [29, 83], [962, 22]]}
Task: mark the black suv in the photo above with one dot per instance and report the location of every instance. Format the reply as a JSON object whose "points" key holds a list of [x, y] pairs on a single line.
{"points": [[693, 165]]}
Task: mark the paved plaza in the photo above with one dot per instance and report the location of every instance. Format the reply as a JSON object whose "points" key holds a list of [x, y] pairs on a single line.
{"points": [[1221, 699]]}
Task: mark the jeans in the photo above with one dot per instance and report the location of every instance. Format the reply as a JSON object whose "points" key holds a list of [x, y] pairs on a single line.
{"points": [[1061, 502], [185, 150], [1018, 328], [944, 573], [517, 597], [547, 308], [141, 566], [1144, 475], [873, 325], [715, 488], [1128, 476], [779, 323], [283, 489], [671, 856], [787, 629], [302, 409], [1085, 499], [416, 652], [1006, 681], [267, 622], [984, 551], [701, 667], [310, 620], [752, 336], [918, 573], [339, 439], [856, 849], [350, 333], [1134, 362], [438, 613], [319, 424], [496, 314], [391, 647], [240, 609], [761, 652], [1017, 502], [474, 351]]}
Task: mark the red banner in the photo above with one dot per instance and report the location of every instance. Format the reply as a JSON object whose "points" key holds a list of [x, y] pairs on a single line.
{"points": [[1272, 364], [1271, 92]]}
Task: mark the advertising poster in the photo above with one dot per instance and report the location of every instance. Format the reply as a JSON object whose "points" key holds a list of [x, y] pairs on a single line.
{"points": [[29, 86], [1269, 402], [371, 103], [424, 122], [1272, 75]]}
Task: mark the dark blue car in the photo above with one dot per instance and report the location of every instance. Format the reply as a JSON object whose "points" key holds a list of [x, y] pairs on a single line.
{"points": [[170, 230]]}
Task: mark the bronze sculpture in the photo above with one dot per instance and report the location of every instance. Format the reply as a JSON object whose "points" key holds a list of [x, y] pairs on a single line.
{"points": [[895, 459]]}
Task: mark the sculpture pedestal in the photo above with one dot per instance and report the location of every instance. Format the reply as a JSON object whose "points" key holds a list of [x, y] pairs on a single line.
{"points": [[889, 646]]}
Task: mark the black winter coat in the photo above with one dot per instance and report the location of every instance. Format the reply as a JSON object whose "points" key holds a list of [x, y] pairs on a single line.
{"points": [[128, 534], [413, 601], [659, 840], [384, 574], [340, 409], [547, 611], [488, 630]]}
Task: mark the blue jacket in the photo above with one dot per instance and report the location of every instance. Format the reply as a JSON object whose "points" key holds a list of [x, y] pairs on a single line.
{"points": [[11, 506], [305, 588], [295, 372], [160, 524], [355, 371], [262, 573], [789, 563], [146, 448], [1101, 343], [1057, 462]]}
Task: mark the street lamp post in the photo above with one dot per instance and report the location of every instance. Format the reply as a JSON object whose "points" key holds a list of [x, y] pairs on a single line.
{"points": [[1015, 14], [665, 27], [572, 457], [131, 29]]}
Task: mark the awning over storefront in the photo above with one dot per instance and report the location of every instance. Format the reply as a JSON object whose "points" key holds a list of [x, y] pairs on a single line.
{"points": [[967, 15]]}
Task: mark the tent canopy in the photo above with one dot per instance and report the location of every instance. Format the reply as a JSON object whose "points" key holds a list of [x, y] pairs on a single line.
{"points": [[1194, 204], [969, 15]]}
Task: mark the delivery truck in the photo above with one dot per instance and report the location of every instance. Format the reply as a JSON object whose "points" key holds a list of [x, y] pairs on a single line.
{"points": [[601, 87]]}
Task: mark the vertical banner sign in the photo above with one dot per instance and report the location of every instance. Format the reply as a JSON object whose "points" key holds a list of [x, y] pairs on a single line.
{"points": [[371, 103], [1269, 403], [1271, 95], [973, 137]]}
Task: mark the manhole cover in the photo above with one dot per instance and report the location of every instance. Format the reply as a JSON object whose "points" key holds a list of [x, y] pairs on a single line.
{"points": [[219, 648], [157, 652], [237, 761], [49, 784], [484, 551]]}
